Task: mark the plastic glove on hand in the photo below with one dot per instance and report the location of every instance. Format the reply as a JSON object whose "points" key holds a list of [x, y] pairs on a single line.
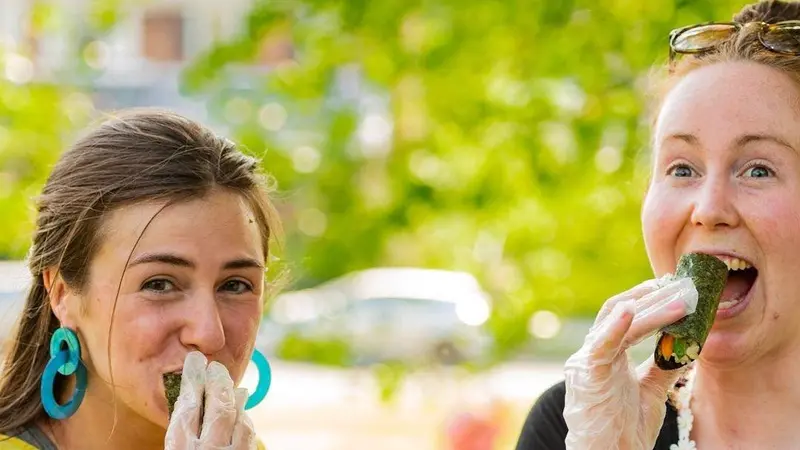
{"points": [[209, 413], [608, 404]]}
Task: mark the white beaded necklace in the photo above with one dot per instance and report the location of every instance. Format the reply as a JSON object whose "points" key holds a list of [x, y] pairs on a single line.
{"points": [[682, 401]]}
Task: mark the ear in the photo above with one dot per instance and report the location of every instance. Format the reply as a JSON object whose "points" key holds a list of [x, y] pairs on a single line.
{"points": [[59, 295]]}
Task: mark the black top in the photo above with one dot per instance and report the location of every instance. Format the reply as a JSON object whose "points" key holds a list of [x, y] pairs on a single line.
{"points": [[545, 429]]}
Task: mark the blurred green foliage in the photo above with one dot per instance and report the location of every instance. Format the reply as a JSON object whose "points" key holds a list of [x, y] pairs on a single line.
{"points": [[503, 138], [518, 144], [331, 353]]}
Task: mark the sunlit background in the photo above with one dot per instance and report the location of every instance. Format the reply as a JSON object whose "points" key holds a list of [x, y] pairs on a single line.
{"points": [[460, 183]]}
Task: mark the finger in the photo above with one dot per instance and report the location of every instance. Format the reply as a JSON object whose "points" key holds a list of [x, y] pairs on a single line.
{"points": [[656, 300], [634, 293], [607, 339], [184, 425], [655, 382], [667, 306], [189, 406], [220, 407], [241, 395], [244, 435]]}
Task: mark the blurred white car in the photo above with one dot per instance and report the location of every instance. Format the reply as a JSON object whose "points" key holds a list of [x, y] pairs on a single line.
{"points": [[379, 315], [14, 282]]}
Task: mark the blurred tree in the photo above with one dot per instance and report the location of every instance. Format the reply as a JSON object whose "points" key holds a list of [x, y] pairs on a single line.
{"points": [[504, 138], [38, 115], [507, 139]]}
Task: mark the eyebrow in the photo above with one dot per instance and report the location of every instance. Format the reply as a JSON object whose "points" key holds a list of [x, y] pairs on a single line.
{"points": [[740, 142], [174, 260], [748, 138]]}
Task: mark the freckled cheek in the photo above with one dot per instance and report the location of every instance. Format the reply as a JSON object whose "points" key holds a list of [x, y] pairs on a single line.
{"points": [[663, 218], [778, 234], [142, 335], [241, 327]]}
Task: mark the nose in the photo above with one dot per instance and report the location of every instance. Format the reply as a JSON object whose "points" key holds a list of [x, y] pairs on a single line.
{"points": [[713, 205], [203, 330]]}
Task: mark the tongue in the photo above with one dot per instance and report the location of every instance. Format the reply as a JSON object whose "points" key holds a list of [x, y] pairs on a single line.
{"points": [[738, 285]]}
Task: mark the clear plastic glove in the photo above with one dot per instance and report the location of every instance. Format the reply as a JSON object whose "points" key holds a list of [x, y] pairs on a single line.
{"points": [[209, 413], [610, 405]]}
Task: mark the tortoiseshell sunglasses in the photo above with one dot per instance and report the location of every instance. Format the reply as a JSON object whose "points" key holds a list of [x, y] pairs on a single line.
{"points": [[780, 37]]}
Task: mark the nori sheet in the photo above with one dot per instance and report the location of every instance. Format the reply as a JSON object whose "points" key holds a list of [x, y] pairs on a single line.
{"points": [[709, 275], [172, 388]]}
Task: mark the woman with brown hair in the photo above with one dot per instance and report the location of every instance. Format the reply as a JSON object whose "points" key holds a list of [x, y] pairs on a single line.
{"points": [[725, 181], [149, 255]]}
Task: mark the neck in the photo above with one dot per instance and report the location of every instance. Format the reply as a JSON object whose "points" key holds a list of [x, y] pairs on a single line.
{"points": [[754, 403], [93, 427]]}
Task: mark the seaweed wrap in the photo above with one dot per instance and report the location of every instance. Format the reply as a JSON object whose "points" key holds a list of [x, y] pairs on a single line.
{"points": [[680, 343], [172, 388]]}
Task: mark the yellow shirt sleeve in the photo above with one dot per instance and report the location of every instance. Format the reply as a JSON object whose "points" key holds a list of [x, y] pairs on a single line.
{"points": [[10, 443]]}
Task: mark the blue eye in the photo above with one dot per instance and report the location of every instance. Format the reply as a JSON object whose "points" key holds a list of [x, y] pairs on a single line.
{"points": [[759, 172], [680, 171], [236, 286], [159, 285]]}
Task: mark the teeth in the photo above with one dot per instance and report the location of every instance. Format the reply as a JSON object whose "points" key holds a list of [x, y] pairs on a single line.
{"points": [[735, 263], [729, 304]]}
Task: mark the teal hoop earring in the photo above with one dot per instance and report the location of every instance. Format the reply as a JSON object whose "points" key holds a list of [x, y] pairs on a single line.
{"points": [[264, 380], [65, 359]]}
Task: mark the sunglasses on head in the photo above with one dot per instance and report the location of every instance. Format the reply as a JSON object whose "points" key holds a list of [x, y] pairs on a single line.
{"points": [[780, 37]]}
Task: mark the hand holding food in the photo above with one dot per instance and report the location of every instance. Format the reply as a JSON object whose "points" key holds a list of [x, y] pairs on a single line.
{"points": [[608, 404], [209, 412]]}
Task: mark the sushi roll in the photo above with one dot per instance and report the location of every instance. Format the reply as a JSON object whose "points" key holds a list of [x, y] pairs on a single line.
{"points": [[172, 388], [680, 343]]}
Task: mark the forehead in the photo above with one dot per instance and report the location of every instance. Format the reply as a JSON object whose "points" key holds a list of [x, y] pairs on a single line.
{"points": [[218, 226], [731, 98]]}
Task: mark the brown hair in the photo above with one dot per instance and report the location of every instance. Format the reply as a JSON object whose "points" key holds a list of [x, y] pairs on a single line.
{"points": [[135, 156], [743, 46]]}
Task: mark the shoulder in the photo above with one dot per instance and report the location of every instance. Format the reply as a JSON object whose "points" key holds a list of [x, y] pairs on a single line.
{"points": [[544, 428], [13, 443]]}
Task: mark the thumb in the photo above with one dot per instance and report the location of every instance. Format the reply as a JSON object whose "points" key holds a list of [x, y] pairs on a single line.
{"points": [[654, 386], [654, 382], [244, 435]]}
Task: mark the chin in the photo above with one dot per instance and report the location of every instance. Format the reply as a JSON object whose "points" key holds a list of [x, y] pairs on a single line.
{"points": [[726, 348], [153, 410]]}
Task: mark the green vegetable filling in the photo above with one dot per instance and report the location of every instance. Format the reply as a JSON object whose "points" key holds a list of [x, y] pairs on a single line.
{"points": [[679, 348]]}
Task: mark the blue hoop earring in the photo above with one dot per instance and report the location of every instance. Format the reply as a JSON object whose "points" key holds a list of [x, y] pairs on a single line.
{"points": [[264, 380], [65, 359]]}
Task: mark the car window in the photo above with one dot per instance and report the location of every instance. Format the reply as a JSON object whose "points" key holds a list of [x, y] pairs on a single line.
{"points": [[403, 310]]}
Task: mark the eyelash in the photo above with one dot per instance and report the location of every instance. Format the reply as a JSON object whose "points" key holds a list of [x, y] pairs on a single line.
{"points": [[671, 169], [761, 165], [148, 286], [247, 286]]}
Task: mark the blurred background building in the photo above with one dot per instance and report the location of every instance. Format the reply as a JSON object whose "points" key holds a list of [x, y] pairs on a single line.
{"points": [[138, 61]]}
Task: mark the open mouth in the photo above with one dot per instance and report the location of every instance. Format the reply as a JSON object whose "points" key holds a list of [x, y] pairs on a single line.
{"points": [[741, 278]]}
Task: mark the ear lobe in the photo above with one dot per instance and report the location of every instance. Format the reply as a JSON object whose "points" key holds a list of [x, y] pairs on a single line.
{"points": [[57, 293]]}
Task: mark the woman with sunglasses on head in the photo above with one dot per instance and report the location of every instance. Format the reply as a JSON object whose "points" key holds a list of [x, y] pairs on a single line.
{"points": [[725, 181], [148, 262]]}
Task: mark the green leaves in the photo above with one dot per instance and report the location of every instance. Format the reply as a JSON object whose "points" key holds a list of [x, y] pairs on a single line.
{"points": [[504, 138], [507, 139]]}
